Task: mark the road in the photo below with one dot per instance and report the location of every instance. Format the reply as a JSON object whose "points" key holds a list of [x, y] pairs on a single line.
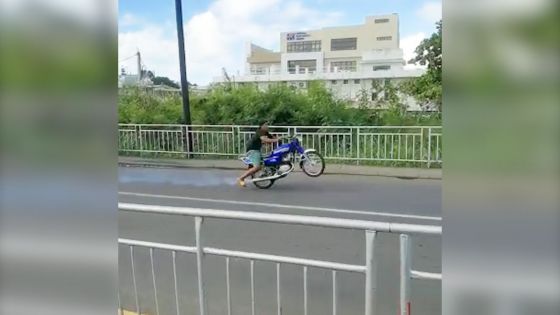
{"points": [[357, 197]]}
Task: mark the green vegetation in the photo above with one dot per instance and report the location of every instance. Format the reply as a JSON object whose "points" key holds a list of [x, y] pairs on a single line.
{"points": [[279, 104], [427, 89], [165, 81]]}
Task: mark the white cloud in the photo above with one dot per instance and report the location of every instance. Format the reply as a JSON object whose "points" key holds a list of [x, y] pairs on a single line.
{"points": [[408, 45], [217, 37], [158, 49], [430, 11], [129, 19]]}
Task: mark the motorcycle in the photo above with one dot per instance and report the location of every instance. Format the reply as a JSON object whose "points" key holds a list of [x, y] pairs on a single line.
{"points": [[282, 160]]}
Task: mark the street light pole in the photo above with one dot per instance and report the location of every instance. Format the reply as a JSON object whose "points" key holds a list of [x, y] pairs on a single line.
{"points": [[184, 82]]}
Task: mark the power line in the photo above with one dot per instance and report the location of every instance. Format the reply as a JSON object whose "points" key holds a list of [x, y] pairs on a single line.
{"points": [[128, 58]]}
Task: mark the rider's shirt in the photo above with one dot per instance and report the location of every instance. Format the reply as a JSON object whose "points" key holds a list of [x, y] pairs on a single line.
{"points": [[256, 142]]}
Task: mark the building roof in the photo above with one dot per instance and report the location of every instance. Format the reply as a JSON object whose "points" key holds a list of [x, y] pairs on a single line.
{"points": [[259, 54]]}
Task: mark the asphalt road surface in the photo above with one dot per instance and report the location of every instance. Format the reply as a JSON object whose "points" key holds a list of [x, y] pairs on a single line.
{"points": [[356, 197]]}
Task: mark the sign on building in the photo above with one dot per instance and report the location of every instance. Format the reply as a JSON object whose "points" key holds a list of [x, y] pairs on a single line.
{"points": [[296, 36]]}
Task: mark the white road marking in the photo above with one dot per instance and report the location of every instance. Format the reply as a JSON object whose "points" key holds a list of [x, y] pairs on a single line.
{"points": [[284, 206]]}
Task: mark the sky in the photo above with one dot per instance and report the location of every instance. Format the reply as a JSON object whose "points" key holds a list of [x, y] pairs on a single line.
{"points": [[217, 31]]}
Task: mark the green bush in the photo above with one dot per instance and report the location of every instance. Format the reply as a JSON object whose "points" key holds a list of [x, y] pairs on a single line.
{"points": [[279, 104], [136, 106]]}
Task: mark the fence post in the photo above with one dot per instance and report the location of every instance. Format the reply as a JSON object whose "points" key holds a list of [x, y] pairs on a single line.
{"points": [[199, 265], [232, 142], [139, 134], [404, 305], [238, 144], [429, 146], [187, 141], [295, 134], [371, 274], [136, 300], [357, 146]]}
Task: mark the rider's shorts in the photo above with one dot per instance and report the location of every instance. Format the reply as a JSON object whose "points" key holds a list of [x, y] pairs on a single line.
{"points": [[255, 157]]}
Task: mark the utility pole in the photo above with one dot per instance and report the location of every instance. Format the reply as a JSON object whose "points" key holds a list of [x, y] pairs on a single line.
{"points": [[139, 66], [184, 82]]}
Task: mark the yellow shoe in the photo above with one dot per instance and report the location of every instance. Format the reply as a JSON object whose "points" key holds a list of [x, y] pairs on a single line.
{"points": [[241, 182]]}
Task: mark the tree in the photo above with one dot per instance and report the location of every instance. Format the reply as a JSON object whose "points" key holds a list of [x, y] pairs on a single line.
{"points": [[165, 81], [385, 94], [427, 89], [428, 52]]}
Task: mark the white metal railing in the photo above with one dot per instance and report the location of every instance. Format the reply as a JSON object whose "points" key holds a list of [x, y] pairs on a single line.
{"points": [[301, 70], [417, 144], [371, 228], [264, 71], [333, 69]]}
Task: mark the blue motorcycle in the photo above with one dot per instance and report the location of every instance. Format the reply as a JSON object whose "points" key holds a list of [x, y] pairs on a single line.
{"points": [[282, 160]]}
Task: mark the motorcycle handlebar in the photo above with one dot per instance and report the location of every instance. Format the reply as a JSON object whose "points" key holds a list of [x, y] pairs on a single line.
{"points": [[287, 138]]}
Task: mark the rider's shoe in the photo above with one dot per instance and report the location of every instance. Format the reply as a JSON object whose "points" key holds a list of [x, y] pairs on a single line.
{"points": [[241, 183]]}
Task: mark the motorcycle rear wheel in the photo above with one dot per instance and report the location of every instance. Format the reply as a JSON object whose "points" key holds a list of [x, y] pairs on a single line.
{"points": [[264, 184]]}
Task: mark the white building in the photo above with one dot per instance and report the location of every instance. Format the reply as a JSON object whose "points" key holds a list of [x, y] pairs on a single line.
{"points": [[346, 58], [138, 79]]}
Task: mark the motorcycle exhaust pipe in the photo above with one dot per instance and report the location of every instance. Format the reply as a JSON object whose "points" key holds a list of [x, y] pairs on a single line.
{"points": [[275, 176], [262, 179], [288, 172]]}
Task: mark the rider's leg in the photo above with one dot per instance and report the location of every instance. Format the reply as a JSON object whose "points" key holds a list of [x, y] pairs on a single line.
{"points": [[250, 172], [255, 157]]}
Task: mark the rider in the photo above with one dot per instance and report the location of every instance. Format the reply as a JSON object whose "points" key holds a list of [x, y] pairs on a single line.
{"points": [[254, 151]]}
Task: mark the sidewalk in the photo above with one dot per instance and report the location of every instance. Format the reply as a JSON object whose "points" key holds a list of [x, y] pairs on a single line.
{"points": [[331, 169]]}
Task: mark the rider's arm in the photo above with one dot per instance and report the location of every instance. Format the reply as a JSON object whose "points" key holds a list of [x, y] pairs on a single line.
{"points": [[266, 139]]}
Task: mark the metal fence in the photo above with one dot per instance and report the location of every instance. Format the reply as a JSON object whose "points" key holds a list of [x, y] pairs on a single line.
{"points": [[405, 144], [368, 269]]}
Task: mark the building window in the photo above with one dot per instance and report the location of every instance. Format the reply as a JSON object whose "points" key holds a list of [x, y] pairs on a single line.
{"points": [[381, 68], [344, 44], [299, 66], [380, 38], [304, 46], [259, 70], [343, 66], [378, 21], [333, 82], [345, 81], [357, 81], [373, 96]]}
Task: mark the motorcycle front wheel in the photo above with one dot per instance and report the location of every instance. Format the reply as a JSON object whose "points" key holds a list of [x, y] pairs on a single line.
{"points": [[313, 165]]}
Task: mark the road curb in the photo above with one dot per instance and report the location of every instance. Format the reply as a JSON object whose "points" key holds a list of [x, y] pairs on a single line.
{"points": [[333, 169], [126, 312]]}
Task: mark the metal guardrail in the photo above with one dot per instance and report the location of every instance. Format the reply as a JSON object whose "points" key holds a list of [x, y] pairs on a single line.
{"points": [[369, 269], [301, 70], [414, 144]]}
